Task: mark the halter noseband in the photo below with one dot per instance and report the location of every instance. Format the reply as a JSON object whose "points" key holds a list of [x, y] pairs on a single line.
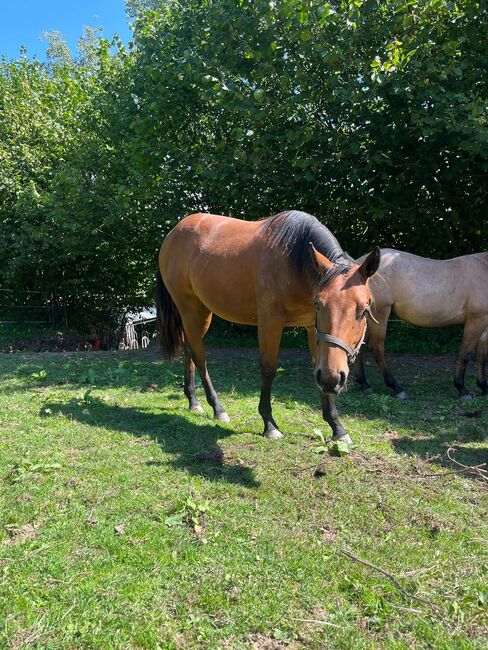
{"points": [[352, 353]]}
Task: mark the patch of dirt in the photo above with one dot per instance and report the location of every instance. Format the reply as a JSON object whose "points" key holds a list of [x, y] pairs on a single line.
{"points": [[424, 363], [218, 458], [457, 410], [30, 637], [391, 434], [261, 642], [18, 535], [328, 533], [362, 623], [150, 388], [214, 457], [419, 362], [71, 342], [320, 470]]}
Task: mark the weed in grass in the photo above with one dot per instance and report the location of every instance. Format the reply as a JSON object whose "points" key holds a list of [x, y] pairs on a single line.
{"points": [[40, 376], [26, 467]]}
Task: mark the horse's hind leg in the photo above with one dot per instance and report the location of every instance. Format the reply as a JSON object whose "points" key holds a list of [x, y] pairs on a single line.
{"points": [[472, 331], [189, 389], [196, 323], [361, 374], [481, 354], [376, 343]]}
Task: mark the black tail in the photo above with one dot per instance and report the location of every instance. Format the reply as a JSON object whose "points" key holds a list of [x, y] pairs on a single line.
{"points": [[170, 327]]}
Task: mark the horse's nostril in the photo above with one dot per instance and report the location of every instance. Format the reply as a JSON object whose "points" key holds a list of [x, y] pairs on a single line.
{"points": [[318, 374], [342, 379]]}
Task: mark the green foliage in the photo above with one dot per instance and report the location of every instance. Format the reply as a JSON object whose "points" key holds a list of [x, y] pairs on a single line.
{"points": [[191, 512], [371, 115], [339, 448], [26, 467]]}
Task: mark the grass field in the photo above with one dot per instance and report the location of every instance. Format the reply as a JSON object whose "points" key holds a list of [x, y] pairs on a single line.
{"points": [[128, 522]]}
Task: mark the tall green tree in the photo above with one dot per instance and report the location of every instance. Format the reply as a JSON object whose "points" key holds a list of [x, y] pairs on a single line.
{"points": [[370, 114]]}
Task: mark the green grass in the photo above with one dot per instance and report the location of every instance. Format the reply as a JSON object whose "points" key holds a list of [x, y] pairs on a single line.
{"points": [[128, 522]]}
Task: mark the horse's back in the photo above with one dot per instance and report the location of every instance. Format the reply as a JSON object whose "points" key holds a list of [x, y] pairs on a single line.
{"points": [[430, 292]]}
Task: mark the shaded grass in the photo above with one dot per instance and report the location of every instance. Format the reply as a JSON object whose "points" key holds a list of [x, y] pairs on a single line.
{"points": [[98, 452]]}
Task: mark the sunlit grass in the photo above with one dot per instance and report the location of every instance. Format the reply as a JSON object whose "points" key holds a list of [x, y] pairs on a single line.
{"points": [[127, 521]]}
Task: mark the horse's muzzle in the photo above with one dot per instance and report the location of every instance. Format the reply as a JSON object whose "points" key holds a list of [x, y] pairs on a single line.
{"points": [[331, 383]]}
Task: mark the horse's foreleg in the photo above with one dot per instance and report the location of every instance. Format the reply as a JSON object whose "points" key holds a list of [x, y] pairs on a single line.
{"points": [[195, 326], [481, 354], [189, 388], [376, 343], [330, 415], [329, 410], [269, 345]]}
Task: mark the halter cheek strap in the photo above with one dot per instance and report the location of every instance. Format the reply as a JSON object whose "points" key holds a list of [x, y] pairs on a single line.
{"points": [[352, 353]]}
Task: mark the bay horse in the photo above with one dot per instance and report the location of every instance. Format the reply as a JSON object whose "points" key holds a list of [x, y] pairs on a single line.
{"points": [[283, 271], [430, 293]]}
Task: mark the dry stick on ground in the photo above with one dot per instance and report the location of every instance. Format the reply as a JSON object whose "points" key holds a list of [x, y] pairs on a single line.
{"points": [[471, 469], [393, 580], [477, 470], [317, 622]]}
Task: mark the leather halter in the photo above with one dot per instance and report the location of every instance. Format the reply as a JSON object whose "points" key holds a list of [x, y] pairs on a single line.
{"points": [[352, 353]]}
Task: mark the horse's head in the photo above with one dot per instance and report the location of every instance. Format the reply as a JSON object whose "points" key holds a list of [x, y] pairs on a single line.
{"points": [[342, 302]]}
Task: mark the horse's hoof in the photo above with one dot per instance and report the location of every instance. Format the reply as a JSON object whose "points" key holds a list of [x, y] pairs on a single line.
{"points": [[197, 409], [402, 395], [466, 398], [222, 417], [273, 434], [345, 437]]}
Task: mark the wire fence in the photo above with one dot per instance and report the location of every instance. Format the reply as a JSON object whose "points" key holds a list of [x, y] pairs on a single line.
{"points": [[18, 307]]}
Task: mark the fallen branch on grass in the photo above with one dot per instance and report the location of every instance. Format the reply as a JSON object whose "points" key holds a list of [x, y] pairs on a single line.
{"points": [[393, 580], [317, 622], [477, 470]]}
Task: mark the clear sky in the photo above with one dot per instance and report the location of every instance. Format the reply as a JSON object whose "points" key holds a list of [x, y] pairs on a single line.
{"points": [[23, 21]]}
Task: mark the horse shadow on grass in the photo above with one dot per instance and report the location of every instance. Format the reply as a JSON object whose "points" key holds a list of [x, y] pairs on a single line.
{"points": [[192, 447]]}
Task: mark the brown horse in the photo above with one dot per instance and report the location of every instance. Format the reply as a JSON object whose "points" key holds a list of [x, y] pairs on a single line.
{"points": [[283, 271], [430, 293]]}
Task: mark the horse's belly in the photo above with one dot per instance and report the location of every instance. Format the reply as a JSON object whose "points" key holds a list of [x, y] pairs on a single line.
{"points": [[427, 314], [233, 300]]}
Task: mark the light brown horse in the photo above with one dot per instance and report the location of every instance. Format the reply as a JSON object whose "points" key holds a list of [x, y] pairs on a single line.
{"points": [[283, 271], [430, 293]]}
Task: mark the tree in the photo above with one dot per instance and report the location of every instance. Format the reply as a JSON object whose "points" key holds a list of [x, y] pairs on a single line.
{"points": [[370, 114]]}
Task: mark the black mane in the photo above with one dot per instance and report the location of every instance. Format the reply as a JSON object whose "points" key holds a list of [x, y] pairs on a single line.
{"points": [[293, 231]]}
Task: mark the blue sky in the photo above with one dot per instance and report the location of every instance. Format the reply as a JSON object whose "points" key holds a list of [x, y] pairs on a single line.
{"points": [[23, 21]]}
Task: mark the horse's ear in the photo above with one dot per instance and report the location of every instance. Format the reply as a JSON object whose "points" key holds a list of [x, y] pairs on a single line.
{"points": [[320, 263], [371, 264]]}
